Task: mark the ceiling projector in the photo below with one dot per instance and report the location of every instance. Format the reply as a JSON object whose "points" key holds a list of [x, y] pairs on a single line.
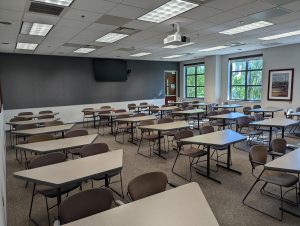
{"points": [[177, 38]]}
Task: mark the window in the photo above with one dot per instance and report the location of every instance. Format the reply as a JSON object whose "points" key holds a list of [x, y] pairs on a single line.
{"points": [[246, 78], [195, 81]]}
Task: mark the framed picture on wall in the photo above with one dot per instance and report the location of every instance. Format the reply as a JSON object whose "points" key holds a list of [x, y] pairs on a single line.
{"points": [[280, 85]]}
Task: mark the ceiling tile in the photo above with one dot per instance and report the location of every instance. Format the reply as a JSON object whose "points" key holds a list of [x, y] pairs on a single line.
{"points": [[7, 15], [139, 24], [40, 18], [294, 6], [98, 6], [145, 4], [219, 4], [223, 18], [200, 13], [81, 15], [18, 5], [127, 11], [30, 38], [254, 7]]}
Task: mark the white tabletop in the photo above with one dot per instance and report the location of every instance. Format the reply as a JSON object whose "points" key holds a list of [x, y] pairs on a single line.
{"points": [[58, 144], [115, 114], [289, 162], [200, 104], [44, 130], [98, 110], [167, 126], [144, 106], [182, 206], [267, 109], [219, 138], [137, 119], [170, 108], [229, 106], [231, 115], [190, 112], [276, 122], [30, 122], [72, 171]]}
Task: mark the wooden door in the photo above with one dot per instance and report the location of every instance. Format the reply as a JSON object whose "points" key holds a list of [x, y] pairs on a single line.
{"points": [[170, 86]]}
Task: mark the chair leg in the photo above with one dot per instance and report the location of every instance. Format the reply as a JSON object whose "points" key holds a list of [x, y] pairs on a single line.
{"points": [[32, 198], [47, 211]]}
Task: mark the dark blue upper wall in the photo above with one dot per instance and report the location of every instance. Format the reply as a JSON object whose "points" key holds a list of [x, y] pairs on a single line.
{"points": [[41, 81]]}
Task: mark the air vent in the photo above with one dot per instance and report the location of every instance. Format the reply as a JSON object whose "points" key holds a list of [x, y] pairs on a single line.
{"points": [[5, 22], [271, 44], [74, 45], [45, 9], [126, 30], [274, 12]]}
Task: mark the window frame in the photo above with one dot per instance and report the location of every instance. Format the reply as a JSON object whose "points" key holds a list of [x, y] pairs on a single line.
{"points": [[196, 74], [246, 71]]}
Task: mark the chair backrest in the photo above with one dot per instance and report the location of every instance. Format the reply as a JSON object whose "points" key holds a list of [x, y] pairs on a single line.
{"points": [[154, 109], [243, 121], [195, 101], [139, 114], [224, 111], [85, 204], [54, 123], [24, 127], [256, 106], [87, 113], [258, 117], [298, 109], [164, 120], [143, 103], [131, 106], [258, 155], [189, 107], [207, 129], [105, 107], [93, 149], [147, 184], [25, 113], [120, 110], [46, 112], [182, 134], [164, 105], [279, 145], [17, 119], [45, 116], [212, 113], [40, 138], [246, 110], [76, 133], [47, 159], [147, 122]]}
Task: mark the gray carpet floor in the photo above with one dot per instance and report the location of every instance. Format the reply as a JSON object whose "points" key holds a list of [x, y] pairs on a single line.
{"points": [[225, 199]]}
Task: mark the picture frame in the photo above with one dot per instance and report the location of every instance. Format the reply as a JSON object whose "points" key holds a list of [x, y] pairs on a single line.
{"points": [[280, 86]]}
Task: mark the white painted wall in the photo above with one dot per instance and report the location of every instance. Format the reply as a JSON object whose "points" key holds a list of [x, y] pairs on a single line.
{"points": [[72, 113], [2, 172]]}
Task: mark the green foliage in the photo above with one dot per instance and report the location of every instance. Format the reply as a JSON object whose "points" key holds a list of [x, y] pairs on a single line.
{"points": [[195, 81]]}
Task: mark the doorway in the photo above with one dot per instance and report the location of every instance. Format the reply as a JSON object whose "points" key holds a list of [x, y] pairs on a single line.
{"points": [[170, 86]]}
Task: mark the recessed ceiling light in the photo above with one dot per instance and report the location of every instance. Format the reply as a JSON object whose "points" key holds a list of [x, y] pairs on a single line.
{"points": [[140, 54], [111, 37], [173, 56], [35, 29], [84, 50], [26, 46], [167, 11], [178, 46], [283, 35], [247, 27], [56, 2], [214, 48], [5, 22]]}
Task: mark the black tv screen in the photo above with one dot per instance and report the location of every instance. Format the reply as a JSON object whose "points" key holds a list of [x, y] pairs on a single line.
{"points": [[110, 70]]}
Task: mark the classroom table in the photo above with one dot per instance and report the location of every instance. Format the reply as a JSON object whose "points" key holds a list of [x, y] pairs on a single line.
{"points": [[70, 172], [266, 110], [185, 205], [289, 163], [112, 116], [57, 144], [95, 112], [179, 103], [202, 104], [219, 138], [164, 109], [133, 120], [37, 115], [187, 113], [165, 127], [31, 122], [229, 116], [275, 122], [229, 106], [140, 107]]}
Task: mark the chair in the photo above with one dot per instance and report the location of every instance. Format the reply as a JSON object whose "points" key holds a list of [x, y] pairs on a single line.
{"points": [[150, 136], [195, 102], [170, 133], [246, 110], [139, 114], [257, 106], [258, 157], [122, 127], [87, 115], [84, 204], [224, 111], [46, 112], [25, 113], [244, 122], [48, 191], [13, 127], [54, 123], [96, 149], [154, 111], [105, 107], [192, 153], [131, 107], [46, 116], [278, 147], [103, 122], [75, 133], [120, 110]]}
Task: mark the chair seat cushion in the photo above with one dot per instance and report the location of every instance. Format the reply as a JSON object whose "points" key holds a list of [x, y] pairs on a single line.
{"points": [[281, 179], [74, 151], [51, 192], [193, 152], [276, 153], [151, 137], [109, 175], [220, 148]]}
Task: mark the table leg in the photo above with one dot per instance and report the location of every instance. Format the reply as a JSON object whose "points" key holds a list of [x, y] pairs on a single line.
{"points": [[63, 134], [58, 196], [272, 114], [206, 107], [263, 114], [161, 114], [224, 121], [270, 138], [94, 116], [228, 162], [159, 147], [111, 125], [234, 109], [198, 117], [282, 132], [106, 180]]}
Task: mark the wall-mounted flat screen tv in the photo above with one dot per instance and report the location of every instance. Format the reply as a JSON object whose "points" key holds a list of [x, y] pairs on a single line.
{"points": [[110, 70]]}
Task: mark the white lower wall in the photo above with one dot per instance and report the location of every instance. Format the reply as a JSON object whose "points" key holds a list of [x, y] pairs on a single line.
{"points": [[2, 172], [72, 113]]}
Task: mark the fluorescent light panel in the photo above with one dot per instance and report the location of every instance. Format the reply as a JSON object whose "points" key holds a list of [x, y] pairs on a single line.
{"points": [[247, 27], [111, 37], [57, 2], [26, 46], [84, 50], [140, 54], [35, 29], [167, 11], [283, 35], [173, 56], [178, 46], [214, 48]]}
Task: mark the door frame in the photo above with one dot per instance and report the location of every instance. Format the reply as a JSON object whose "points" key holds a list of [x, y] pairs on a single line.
{"points": [[176, 74]]}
